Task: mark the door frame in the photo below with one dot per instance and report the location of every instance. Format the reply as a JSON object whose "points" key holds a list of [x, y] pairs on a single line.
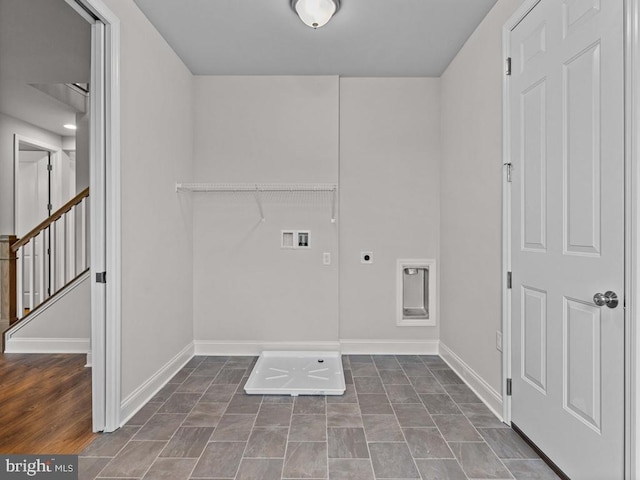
{"points": [[631, 235], [106, 205], [56, 161]]}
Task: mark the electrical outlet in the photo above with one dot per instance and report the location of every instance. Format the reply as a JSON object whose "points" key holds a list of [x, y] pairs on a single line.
{"points": [[326, 258], [499, 341], [366, 257]]}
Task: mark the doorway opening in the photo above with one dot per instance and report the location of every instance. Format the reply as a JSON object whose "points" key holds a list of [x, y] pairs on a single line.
{"points": [[45, 180], [34, 167]]}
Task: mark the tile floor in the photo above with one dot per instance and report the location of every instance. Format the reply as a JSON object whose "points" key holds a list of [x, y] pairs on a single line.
{"points": [[401, 417]]}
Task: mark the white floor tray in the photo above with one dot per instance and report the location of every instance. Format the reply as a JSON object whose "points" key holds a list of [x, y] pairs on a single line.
{"points": [[297, 373]]}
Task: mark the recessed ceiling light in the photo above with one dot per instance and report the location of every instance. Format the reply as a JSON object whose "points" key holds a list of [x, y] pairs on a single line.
{"points": [[70, 126]]}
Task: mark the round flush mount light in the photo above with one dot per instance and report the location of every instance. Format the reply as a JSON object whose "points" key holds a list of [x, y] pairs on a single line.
{"points": [[70, 126], [315, 13]]}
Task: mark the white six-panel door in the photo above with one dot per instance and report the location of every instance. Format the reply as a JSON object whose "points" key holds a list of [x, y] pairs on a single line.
{"points": [[566, 144]]}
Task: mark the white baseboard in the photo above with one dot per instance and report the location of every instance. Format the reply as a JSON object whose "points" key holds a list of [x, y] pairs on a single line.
{"points": [[47, 345], [491, 397], [399, 347], [89, 363], [213, 347], [389, 347], [145, 392]]}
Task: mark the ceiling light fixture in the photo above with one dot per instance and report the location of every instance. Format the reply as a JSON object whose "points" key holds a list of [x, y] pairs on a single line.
{"points": [[315, 13], [70, 126]]}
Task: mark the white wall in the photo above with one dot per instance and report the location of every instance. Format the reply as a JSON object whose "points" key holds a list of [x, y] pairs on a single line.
{"points": [[156, 150], [470, 185], [10, 126], [246, 288], [389, 197], [62, 326]]}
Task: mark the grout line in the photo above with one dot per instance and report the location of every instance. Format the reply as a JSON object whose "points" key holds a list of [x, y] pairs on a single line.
{"points": [[415, 464], [185, 419], [440, 431], [364, 430], [326, 422], [246, 445]]}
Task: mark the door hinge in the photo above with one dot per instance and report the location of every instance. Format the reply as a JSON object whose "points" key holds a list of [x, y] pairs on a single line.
{"points": [[509, 280], [101, 277], [509, 387], [509, 167], [49, 207], [49, 167], [507, 66]]}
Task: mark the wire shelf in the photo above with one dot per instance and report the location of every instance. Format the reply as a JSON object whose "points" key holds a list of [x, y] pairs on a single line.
{"points": [[260, 189], [256, 187]]}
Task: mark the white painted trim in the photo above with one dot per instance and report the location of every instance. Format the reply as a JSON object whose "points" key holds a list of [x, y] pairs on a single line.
{"points": [[632, 239], [255, 347], [113, 221], [97, 227], [106, 328], [81, 11], [389, 347], [47, 345], [430, 265], [513, 21], [89, 362], [145, 392], [474, 381]]}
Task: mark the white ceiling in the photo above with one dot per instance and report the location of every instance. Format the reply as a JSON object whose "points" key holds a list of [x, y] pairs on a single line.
{"points": [[365, 37], [41, 42]]}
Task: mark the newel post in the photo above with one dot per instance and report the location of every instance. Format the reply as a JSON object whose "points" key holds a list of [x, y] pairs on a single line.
{"points": [[8, 285]]}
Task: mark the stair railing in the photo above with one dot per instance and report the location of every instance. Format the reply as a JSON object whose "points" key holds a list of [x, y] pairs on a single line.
{"points": [[51, 255]]}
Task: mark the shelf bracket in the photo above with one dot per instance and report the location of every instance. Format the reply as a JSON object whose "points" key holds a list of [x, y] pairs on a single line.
{"points": [[259, 202]]}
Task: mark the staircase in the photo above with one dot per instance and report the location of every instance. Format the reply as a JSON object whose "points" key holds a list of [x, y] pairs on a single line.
{"points": [[37, 268]]}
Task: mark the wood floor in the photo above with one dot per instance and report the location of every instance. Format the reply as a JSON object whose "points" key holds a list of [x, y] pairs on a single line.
{"points": [[45, 404]]}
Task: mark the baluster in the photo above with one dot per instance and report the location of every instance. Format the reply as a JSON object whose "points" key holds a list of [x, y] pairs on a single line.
{"points": [[20, 282], [42, 263], [87, 232], [74, 237], [72, 243], [54, 258], [83, 237], [32, 274], [63, 250]]}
